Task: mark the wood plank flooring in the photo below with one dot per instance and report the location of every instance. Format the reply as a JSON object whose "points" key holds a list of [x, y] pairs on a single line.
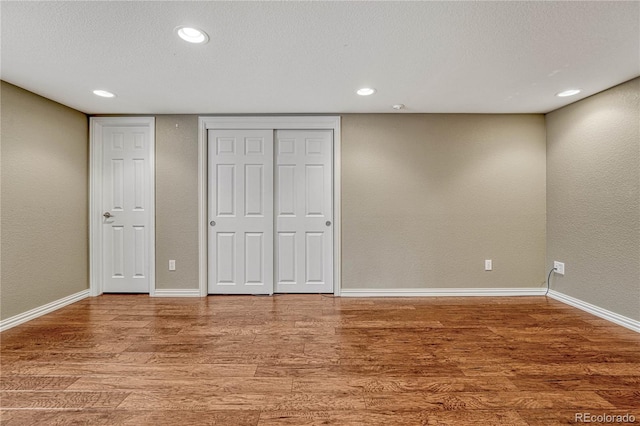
{"points": [[316, 360]]}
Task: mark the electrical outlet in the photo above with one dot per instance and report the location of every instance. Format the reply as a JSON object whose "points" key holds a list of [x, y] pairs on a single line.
{"points": [[488, 265], [558, 267], [172, 265]]}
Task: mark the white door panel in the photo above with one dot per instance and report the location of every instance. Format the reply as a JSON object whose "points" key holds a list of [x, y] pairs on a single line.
{"points": [[304, 211], [125, 202], [240, 211]]}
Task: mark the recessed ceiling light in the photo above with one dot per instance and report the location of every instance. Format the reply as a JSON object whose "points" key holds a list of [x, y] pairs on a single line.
{"points": [[569, 92], [192, 35], [366, 91], [104, 93]]}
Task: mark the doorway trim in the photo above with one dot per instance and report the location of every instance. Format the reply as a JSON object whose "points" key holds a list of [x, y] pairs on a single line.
{"points": [[96, 242], [271, 123]]}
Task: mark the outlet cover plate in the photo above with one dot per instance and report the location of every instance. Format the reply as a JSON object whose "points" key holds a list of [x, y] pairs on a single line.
{"points": [[558, 267], [488, 265]]}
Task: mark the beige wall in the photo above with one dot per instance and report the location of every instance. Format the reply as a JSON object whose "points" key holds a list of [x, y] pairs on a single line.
{"points": [[593, 198], [44, 201], [427, 197], [177, 201]]}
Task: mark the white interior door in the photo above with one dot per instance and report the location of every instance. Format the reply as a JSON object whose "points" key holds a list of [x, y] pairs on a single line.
{"points": [[240, 236], [304, 211], [127, 188]]}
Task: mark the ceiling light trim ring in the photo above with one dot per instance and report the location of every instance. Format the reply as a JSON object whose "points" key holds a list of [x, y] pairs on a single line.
{"points": [[366, 91], [568, 92], [104, 93], [191, 34]]}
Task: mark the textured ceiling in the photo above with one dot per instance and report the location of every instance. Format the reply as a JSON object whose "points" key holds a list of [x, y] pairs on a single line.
{"points": [[310, 57]]}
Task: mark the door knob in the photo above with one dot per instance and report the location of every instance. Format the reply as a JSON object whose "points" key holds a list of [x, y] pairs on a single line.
{"points": [[328, 223], [107, 215], [212, 223]]}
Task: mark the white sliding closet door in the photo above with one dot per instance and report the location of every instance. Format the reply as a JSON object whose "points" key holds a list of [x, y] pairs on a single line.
{"points": [[240, 211], [304, 211]]}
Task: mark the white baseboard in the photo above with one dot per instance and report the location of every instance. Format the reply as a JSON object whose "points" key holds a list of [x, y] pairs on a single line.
{"points": [[441, 292], [629, 323], [177, 292], [42, 310]]}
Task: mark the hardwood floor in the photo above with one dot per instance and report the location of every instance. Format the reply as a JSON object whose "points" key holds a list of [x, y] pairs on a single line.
{"points": [[298, 360]]}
